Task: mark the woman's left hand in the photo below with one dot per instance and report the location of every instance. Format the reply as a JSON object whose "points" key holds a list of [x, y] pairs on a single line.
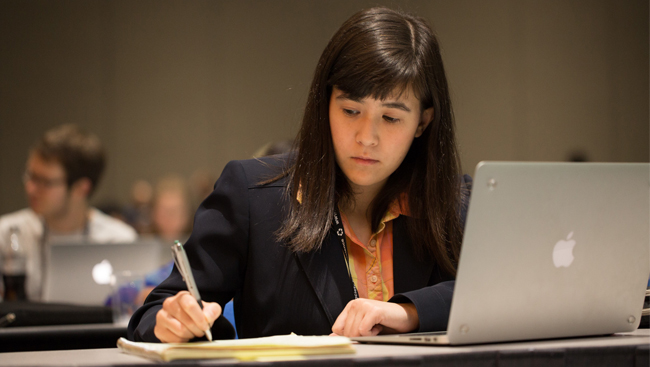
{"points": [[365, 317]]}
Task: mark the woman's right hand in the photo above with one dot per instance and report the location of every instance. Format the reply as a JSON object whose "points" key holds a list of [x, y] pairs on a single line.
{"points": [[181, 318]]}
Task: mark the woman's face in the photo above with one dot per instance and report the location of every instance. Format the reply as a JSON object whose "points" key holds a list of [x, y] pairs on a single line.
{"points": [[371, 137]]}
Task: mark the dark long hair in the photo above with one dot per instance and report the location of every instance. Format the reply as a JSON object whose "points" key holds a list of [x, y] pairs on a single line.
{"points": [[374, 53]]}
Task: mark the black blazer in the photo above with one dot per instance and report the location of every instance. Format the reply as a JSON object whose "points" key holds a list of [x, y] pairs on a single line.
{"points": [[234, 254]]}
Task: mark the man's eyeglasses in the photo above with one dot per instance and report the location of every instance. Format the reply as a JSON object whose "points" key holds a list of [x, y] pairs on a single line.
{"points": [[41, 181]]}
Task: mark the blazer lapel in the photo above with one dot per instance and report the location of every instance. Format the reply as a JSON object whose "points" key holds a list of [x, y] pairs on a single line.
{"points": [[409, 272], [328, 276]]}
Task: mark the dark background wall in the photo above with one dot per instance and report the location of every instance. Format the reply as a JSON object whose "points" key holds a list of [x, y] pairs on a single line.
{"points": [[176, 86]]}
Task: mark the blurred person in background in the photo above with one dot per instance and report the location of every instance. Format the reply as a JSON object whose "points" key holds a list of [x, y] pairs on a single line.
{"points": [[170, 212], [63, 170], [138, 212]]}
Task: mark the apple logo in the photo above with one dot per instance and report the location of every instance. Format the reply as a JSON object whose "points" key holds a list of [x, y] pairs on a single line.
{"points": [[563, 252], [102, 272]]}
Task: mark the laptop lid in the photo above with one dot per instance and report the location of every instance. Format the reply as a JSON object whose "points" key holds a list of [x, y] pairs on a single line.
{"points": [[79, 273], [552, 250]]}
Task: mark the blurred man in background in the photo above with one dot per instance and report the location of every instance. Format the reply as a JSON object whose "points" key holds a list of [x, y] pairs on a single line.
{"points": [[63, 170]]}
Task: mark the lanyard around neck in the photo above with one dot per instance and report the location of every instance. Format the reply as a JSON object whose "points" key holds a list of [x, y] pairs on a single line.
{"points": [[337, 223]]}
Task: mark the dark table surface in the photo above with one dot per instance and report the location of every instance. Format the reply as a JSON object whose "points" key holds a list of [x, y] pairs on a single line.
{"points": [[58, 337], [53, 326]]}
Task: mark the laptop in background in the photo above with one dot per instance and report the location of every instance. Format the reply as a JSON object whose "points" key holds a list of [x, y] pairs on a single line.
{"points": [[550, 250], [80, 273]]}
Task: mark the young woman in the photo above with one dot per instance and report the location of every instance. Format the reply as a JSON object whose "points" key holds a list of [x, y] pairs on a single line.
{"points": [[368, 209]]}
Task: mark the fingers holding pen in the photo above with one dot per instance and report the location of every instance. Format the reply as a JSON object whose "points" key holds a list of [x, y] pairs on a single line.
{"points": [[191, 314], [169, 329], [211, 311], [169, 326], [181, 318]]}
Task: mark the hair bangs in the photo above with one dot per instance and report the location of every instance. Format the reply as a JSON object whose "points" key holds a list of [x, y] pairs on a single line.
{"points": [[378, 65]]}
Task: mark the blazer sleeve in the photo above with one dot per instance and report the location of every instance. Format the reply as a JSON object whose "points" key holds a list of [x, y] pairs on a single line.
{"points": [[433, 303], [216, 249]]}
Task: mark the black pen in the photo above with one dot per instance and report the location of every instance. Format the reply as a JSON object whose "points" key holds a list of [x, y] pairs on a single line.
{"points": [[183, 264]]}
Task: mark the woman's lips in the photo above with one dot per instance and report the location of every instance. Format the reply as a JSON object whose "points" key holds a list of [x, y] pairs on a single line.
{"points": [[364, 161]]}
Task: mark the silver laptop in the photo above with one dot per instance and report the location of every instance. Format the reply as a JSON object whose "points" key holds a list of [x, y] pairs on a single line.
{"points": [[80, 273], [551, 250]]}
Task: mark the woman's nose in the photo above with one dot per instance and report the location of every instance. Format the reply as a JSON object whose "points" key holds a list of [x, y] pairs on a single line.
{"points": [[367, 132]]}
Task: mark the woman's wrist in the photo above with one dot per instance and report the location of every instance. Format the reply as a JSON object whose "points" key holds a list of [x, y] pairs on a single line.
{"points": [[412, 320]]}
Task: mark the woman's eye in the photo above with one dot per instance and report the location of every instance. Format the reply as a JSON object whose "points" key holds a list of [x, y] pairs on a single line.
{"points": [[350, 112], [390, 119]]}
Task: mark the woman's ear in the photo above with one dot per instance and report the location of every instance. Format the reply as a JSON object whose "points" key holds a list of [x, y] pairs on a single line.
{"points": [[425, 119]]}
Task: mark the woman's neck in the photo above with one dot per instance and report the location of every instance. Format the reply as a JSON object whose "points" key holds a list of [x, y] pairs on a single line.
{"points": [[358, 211]]}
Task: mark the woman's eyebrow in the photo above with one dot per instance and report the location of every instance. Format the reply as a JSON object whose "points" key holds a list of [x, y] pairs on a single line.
{"points": [[398, 105]]}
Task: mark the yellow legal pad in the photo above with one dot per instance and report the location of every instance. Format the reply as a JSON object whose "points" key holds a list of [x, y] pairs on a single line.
{"points": [[270, 347]]}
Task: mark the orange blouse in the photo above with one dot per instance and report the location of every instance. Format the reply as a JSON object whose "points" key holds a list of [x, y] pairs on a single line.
{"points": [[371, 264]]}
